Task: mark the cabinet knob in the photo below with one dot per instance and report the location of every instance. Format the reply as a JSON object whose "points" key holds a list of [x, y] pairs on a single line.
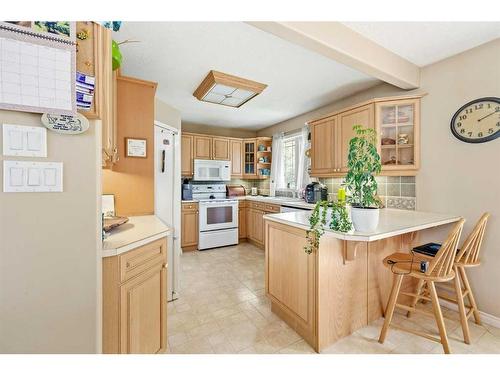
{"points": [[128, 264]]}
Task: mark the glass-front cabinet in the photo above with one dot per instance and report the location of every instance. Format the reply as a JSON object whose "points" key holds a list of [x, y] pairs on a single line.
{"points": [[398, 126], [249, 165]]}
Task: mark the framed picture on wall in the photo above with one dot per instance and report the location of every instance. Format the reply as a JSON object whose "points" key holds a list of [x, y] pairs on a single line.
{"points": [[135, 147]]}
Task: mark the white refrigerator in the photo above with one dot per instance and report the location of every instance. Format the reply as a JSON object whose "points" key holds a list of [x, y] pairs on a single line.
{"points": [[168, 197]]}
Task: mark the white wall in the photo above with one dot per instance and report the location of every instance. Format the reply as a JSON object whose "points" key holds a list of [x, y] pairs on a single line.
{"points": [[50, 252]]}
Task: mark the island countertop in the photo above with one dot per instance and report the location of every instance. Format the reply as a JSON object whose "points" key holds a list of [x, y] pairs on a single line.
{"points": [[138, 231], [392, 222]]}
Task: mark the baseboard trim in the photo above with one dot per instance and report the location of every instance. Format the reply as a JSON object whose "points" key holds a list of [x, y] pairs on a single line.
{"points": [[492, 320]]}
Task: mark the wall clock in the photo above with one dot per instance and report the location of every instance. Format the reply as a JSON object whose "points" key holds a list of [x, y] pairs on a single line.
{"points": [[477, 121]]}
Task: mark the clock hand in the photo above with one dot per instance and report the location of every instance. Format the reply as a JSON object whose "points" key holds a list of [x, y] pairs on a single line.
{"points": [[488, 115]]}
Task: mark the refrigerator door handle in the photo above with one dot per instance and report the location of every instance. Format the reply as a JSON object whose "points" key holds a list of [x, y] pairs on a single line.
{"points": [[163, 161]]}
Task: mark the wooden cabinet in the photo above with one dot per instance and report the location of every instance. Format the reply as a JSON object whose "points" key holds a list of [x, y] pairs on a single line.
{"points": [[202, 147], [220, 149], [396, 121], [189, 226], [363, 115], [236, 152], [242, 220], [398, 126], [255, 220], [249, 155], [323, 147], [134, 300], [143, 312], [187, 155]]}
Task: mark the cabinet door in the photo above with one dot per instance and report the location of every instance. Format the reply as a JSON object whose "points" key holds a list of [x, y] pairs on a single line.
{"points": [[249, 162], [290, 272], [242, 222], [323, 142], [398, 126], [220, 148], [189, 228], [187, 155], [258, 226], [236, 148], [202, 147], [346, 120], [143, 323]]}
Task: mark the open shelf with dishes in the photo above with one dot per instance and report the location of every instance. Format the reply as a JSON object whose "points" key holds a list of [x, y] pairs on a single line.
{"points": [[264, 157]]}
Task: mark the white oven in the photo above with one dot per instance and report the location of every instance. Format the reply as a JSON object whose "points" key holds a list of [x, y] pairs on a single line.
{"points": [[212, 170], [218, 223]]}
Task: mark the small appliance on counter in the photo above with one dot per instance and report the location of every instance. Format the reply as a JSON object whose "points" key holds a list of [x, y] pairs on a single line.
{"points": [[187, 190], [254, 191], [235, 191], [316, 192]]}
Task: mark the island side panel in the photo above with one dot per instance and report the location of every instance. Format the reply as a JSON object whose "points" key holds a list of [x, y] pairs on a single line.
{"points": [[291, 279], [342, 289]]}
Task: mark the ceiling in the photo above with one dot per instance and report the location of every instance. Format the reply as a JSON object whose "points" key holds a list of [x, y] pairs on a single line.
{"points": [[178, 55], [424, 43]]}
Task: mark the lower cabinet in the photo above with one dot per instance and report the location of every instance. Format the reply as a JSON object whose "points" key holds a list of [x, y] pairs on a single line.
{"points": [[242, 220], [189, 226], [134, 300], [255, 221]]}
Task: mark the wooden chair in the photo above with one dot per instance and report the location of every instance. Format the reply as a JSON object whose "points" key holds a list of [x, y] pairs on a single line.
{"points": [[440, 270], [467, 256]]}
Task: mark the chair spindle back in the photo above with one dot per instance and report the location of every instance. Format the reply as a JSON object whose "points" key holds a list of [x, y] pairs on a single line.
{"points": [[442, 264], [469, 253]]}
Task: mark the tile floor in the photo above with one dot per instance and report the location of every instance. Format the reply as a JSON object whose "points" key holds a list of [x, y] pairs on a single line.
{"points": [[223, 309]]}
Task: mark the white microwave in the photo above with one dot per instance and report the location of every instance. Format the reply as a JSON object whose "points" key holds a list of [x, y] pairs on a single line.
{"points": [[212, 170]]}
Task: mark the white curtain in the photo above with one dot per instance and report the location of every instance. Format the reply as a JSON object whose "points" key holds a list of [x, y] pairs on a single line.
{"points": [[303, 163], [277, 173]]}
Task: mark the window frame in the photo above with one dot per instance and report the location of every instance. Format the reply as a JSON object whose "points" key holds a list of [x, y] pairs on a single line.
{"points": [[294, 136]]}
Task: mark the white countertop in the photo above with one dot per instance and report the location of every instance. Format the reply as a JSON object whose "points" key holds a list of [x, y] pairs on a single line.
{"points": [[138, 231], [392, 222], [282, 201]]}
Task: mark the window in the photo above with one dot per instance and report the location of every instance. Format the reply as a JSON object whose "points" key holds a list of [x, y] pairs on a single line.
{"points": [[290, 162]]}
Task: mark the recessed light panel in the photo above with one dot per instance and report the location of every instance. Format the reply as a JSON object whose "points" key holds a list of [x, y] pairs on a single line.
{"points": [[228, 90]]}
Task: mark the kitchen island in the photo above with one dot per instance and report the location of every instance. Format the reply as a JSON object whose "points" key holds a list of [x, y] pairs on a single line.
{"points": [[342, 285]]}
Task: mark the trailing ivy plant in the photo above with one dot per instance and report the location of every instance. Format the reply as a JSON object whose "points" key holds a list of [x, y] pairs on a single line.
{"points": [[317, 221], [363, 162]]}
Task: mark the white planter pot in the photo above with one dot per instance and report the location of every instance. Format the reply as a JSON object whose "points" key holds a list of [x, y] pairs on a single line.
{"points": [[365, 219]]}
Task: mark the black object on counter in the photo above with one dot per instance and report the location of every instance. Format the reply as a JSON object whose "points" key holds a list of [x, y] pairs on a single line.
{"points": [[316, 192]]}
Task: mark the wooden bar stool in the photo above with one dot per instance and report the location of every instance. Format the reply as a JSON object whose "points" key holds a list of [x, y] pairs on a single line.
{"points": [[440, 270], [467, 256]]}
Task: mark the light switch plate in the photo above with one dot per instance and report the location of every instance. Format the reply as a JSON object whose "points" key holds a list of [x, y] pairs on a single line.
{"points": [[21, 140], [30, 177]]}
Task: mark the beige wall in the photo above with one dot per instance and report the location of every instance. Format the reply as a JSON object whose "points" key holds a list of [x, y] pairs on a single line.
{"points": [[49, 246], [167, 114], [216, 130], [455, 177], [458, 177]]}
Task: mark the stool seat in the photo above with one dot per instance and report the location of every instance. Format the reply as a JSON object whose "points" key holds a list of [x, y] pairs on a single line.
{"points": [[409, 265]]}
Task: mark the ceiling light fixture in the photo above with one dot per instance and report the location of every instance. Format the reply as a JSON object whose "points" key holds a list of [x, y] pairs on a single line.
{"points": [[228, 90]]}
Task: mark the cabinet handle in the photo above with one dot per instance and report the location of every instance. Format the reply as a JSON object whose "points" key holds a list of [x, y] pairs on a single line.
{"points": [[128, 264]]}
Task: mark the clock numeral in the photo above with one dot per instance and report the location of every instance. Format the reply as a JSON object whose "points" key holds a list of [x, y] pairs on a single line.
{"points": [[490, 130], [498, 124], [478, 106], [489, 105], [470, 134], [469, 110], [462, 131], [459, 124], [480, 134], [463, 117]]}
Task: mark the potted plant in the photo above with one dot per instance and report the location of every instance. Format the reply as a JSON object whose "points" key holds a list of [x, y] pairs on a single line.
{"points": [[363, 162]]}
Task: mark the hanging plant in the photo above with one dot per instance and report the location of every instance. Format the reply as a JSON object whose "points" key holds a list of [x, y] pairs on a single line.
{"points": [[339, 221]]}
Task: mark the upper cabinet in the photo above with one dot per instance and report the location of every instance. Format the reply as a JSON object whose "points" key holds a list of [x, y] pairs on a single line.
{"points": [[249, 165], [236, 150], [397, 123], [323, 146], [187, 155], [346, 120], [220, 148], [202, 147]]}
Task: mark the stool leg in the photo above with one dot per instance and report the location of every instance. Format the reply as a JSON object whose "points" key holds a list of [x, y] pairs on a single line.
{"points": [[439, 317], [391, 304], [416, 298], [475, 310], [461, 307]]}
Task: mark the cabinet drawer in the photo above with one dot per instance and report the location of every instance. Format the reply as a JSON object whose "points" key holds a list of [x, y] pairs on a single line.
{"points": [[272, 208], [136, 261], [257, 205], [189, 206], [242, 204]]}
